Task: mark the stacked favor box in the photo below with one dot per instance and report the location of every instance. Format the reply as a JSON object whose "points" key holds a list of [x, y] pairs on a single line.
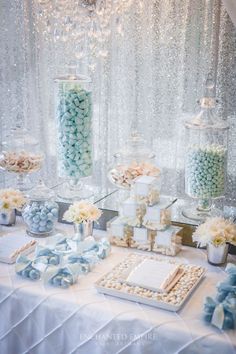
{"points": [[144, 220]]}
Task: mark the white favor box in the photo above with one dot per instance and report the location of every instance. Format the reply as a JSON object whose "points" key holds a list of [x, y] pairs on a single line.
{"points": [[168, 241], [157, 217], [140, 235], [132, 208], [142, 238], [119, 233], [147, 189], [117, 227], [164, 238]]}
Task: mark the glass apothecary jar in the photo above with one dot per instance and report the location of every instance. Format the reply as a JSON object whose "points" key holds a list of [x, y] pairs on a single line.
{"points": [[21, 155], [206, 156], [41, 211], [135, 160], [73, 98]]}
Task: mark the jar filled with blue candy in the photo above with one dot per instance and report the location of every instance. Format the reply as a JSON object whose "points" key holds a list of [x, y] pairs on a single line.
{"points": [[206, 156], [74, 125], [41, 212]]}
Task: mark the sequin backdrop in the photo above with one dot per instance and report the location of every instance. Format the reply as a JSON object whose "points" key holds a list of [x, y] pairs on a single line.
{"points": [[151, 73]]}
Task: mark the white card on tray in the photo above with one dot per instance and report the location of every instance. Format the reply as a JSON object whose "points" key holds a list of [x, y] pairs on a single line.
{"points": [[153, 275]]}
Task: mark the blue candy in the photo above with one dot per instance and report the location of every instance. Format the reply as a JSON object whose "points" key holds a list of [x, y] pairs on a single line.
{"points": [[39, 218], [53, 260], [74, 116], [56, 280], [205, 171], [25, 273], [225, 303], [66, 281], [34, 274]]}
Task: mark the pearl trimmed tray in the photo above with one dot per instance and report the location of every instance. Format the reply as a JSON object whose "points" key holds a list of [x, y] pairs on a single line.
{"points": [[113, 284]]}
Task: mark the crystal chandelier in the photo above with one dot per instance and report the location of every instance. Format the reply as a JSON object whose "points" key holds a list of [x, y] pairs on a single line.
{"points": [[84, 23]]}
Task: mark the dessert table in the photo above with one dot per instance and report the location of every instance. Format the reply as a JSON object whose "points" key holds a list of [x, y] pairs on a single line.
{"points": [[38, 318]]}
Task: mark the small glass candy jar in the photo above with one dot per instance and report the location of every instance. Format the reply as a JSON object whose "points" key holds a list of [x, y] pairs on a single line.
{"points": [[119, 232], [146, 189], [206, 156], [41, 211], [134, 160], [142, 238], [132, 212], [21, 155]]}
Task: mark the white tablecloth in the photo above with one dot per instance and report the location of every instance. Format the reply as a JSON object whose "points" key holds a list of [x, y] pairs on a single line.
{"points": [[35, 318]]}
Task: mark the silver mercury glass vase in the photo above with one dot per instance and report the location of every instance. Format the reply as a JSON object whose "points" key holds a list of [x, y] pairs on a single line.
{"points": [[217, 255], [83, 230]]}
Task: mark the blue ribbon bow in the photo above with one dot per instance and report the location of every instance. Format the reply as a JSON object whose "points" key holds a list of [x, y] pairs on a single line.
{"points": [[222, 311]]}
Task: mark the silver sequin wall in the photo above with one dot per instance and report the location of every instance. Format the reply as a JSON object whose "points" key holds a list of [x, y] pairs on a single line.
{"points": [[151, 76]]}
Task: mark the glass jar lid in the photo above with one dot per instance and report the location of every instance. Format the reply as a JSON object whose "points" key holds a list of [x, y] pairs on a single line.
{"points": [[19, 138], [41, 193], [135, 148], [72, 76], [207, 117]]}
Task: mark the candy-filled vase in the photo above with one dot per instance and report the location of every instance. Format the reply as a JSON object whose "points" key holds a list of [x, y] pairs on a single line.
{"points": [[21, 155], [206, 157], [74, 134]]}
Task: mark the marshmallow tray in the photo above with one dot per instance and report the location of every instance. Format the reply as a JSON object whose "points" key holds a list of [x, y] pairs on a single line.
{"points": [[112, 283]]}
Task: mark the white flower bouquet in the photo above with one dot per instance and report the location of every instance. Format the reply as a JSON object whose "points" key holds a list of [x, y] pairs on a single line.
{"points": [[11, 199], [216, 231], [82, 212]]}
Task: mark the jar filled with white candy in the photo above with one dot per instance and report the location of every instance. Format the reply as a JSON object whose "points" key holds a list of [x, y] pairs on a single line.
{"points": [[74, 126], [206, 156], [134, 160], [21, 155], [41, 211]]}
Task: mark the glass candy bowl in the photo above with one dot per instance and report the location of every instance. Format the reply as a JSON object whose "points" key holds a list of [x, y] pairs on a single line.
{"points": [[74, 125], [41, 211], [135, 160], [21, 155], [206, 156]]}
